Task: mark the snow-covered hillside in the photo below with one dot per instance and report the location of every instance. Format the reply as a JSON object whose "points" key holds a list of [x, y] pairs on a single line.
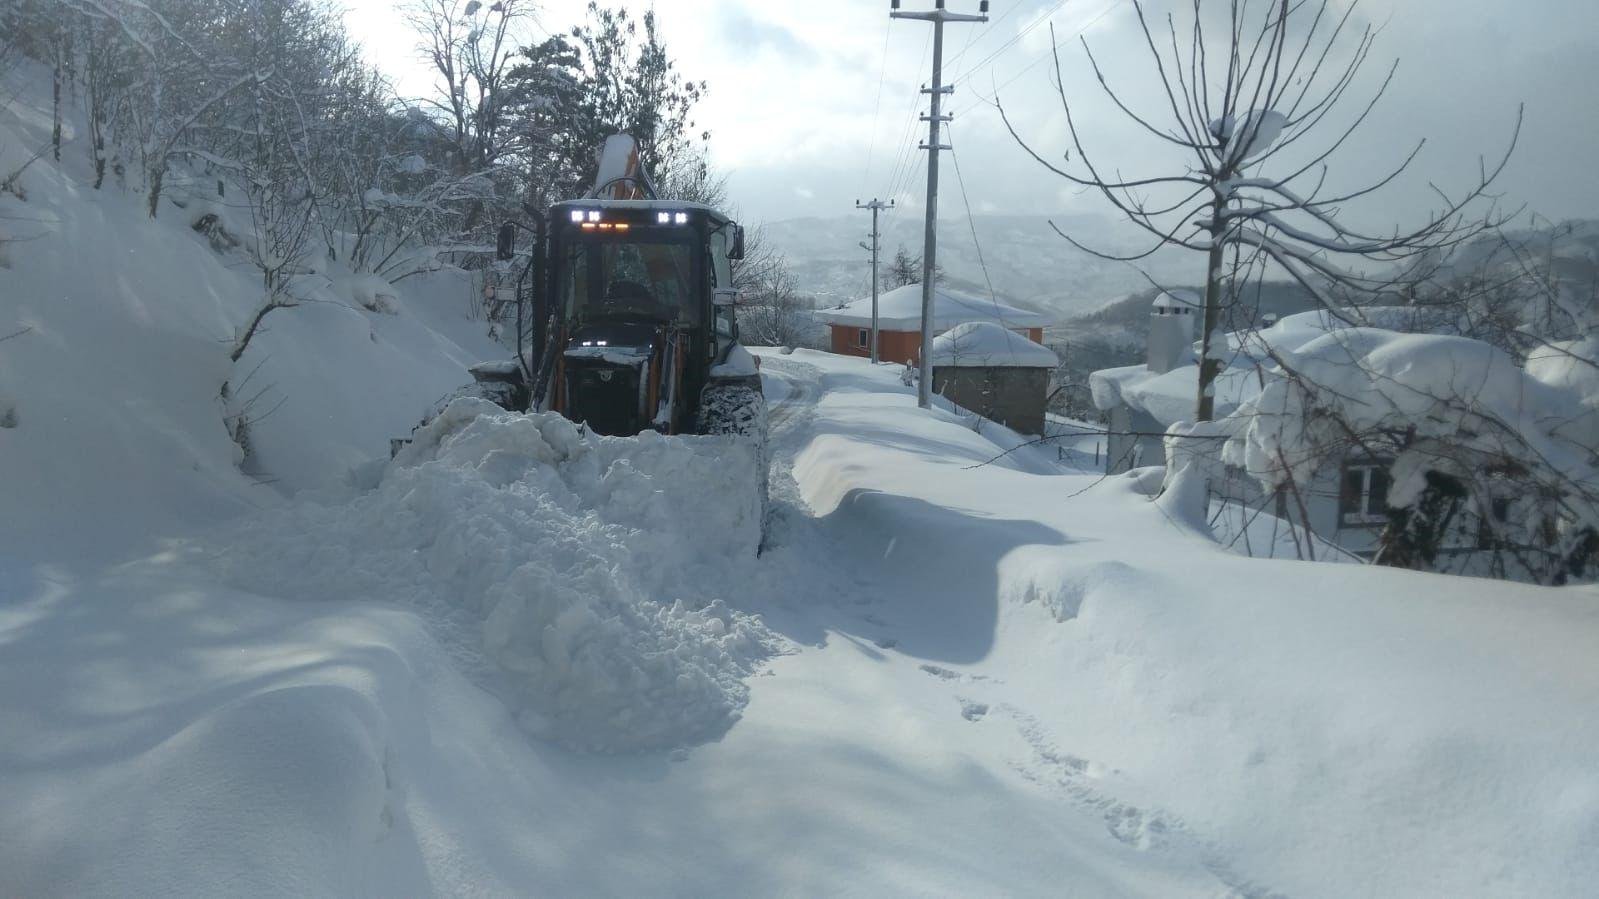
{"points": [[1027, 262], [112, 386]]}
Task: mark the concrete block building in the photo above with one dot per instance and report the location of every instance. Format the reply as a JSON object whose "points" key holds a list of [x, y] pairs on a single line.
{"points": [[994, 372]]}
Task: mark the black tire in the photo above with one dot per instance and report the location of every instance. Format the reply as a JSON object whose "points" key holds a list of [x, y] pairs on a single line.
{"points": [[739, 408]]}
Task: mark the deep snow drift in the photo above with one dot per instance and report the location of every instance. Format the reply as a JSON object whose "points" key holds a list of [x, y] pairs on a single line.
{"points": [[567, 551]]}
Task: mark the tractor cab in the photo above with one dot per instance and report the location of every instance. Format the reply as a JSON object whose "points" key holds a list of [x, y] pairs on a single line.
{"points": [[641, 292], [625, 316]]}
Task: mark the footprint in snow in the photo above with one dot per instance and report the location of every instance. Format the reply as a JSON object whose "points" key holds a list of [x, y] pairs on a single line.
{"points": [[943, 673]]}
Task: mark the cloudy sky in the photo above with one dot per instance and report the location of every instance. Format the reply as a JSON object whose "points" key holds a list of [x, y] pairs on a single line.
{"points": [[813, 104]]}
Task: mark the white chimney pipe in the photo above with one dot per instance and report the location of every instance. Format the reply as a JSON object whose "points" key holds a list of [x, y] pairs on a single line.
{"points": [[1171, 330]]}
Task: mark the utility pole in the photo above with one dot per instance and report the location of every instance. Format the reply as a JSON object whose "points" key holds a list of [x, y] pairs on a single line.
{"points": [[939, 15], [875, 206]]}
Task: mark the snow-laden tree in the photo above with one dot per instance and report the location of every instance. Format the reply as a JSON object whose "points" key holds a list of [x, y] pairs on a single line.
{"points": [[1254, 111], [611, 73], [471, 47], [632, 85]]}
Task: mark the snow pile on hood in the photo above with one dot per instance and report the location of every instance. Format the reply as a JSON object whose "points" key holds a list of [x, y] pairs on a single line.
{"points": [[593, 568]]}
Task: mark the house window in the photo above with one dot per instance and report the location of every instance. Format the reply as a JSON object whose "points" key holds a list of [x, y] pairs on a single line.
{"points": [[1364, 497], [863, 338]]}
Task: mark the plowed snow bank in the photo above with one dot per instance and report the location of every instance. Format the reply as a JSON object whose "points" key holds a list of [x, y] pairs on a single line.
{"points": [[594, 567]]}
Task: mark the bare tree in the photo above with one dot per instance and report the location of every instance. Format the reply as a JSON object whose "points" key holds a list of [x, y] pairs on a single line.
{"points": [[471, 47], [772, 311], [906, 268], [1235, 106]]}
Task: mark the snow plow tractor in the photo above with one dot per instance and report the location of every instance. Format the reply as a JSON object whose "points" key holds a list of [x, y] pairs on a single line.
{"points": [[625, 314]]}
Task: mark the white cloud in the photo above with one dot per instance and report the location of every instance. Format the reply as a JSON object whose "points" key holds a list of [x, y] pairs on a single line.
{"points": [[794, 96]]}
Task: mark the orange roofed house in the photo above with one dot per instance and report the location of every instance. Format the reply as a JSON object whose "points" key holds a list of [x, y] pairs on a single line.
{"points": [[899, 321]]}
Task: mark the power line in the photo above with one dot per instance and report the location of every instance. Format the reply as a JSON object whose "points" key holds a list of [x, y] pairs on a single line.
{"points": [[1019, 35], [976, 244], [877, 105], [1047, 54], [903, 155], [974, 39]]}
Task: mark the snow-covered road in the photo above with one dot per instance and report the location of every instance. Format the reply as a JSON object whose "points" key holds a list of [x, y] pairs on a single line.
{"points": [[943, 677]]}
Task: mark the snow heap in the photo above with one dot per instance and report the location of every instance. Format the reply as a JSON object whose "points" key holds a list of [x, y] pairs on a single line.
{"points": [[900, 309], [591, 568], [988, 345], [1572, 366]]}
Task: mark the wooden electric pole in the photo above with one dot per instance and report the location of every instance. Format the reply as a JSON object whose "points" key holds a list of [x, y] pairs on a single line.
{"points": [[875, 206], [938, 16]]}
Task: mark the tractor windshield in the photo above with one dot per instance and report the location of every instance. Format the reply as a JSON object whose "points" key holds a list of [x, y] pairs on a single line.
{"points": [[629, 276]]}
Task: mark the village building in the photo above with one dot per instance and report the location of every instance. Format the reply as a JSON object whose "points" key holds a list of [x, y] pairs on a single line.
{"points": [[1344, 503], [899, 321], [994, 372]]}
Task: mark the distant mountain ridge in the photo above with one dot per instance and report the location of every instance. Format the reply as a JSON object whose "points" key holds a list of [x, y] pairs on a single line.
{"points": [[1027, 262]]}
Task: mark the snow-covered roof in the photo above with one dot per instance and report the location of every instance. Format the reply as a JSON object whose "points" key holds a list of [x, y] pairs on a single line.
{"points": [[900, 309], [1446, 387], [1404, 347], [1568, 364], [988, 345], [1171, 396]]}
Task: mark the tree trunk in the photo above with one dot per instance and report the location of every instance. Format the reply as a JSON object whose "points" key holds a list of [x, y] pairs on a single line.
{"points": [[156, 177], [55, 127], [1205, 406], [1415, 535], [1583, 555]]}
